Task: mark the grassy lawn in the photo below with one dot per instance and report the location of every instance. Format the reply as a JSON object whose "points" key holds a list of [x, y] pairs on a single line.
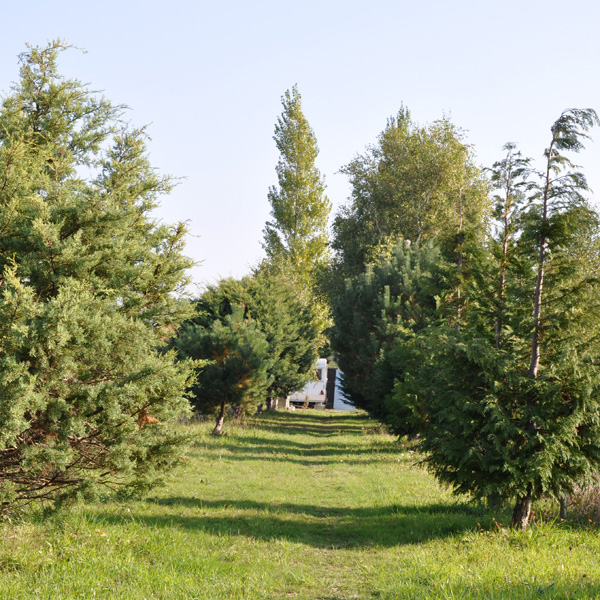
{"points": [[317, 505]]}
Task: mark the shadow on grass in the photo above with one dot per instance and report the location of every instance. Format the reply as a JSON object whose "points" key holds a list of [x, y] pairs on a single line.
{"points": [[317, 526], [322, 423], [248, 448]]}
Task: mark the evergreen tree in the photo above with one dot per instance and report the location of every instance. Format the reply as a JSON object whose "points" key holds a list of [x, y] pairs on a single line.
{"points": [[274, 313], [518, 417], [377, 311], [234, 352], [299, 207], [508, 178], [87, 283], [291, 329]]}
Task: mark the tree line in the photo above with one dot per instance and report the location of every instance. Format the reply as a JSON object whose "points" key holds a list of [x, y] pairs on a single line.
{"points": [[475, 308], [460, 302]]}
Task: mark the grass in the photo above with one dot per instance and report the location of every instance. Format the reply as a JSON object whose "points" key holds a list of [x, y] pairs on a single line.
{"points": [[305, 505]]}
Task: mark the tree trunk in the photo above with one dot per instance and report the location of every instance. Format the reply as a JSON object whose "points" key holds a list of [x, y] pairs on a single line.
{"points": [[539, 284], [522, 512], [563, 508], [220, 420], [500, 303], [537, 312], [269, 403]]}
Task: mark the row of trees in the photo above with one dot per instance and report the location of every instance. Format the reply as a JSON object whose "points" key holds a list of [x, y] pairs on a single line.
{"points": [[464, 302], [477, 334]]}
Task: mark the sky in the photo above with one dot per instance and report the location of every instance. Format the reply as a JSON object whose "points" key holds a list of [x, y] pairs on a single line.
{"points": [[207, 79]]}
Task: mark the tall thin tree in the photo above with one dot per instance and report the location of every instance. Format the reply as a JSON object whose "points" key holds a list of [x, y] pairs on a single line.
{"points": [[299, 207], [561, 189]]}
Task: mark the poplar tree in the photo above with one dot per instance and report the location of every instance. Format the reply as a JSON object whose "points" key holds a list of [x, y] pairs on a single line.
{"points": [[89, 286], [297, 232]]}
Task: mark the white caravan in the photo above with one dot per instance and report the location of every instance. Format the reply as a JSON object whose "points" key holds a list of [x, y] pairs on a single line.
{"points": [[314, 392]]}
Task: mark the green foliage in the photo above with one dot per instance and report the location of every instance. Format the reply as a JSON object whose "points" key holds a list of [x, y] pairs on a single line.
{"points": [[299, 207], [417, 183], [87, 295], [274, 316], [234, 350], [511, 398], [377, 310], [291, 327]]}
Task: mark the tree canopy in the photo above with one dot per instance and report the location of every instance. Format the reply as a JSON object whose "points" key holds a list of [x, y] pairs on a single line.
{"points": [[417, 183], [299, 207], [87, 295]]}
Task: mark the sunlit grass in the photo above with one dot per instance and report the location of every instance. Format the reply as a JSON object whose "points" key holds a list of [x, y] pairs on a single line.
{"points": [[306, 505]]}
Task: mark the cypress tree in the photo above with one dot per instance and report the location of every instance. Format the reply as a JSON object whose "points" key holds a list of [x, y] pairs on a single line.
{"points": [[517, 416], [86, 295]]}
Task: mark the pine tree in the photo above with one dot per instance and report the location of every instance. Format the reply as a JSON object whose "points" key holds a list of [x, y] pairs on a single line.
{"points": [[234, 352], [273, 313], [299, 207], [87, 283], [376, 312]]}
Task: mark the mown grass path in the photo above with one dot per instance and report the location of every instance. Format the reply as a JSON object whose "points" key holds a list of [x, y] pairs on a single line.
{"points": [[305, 505]]}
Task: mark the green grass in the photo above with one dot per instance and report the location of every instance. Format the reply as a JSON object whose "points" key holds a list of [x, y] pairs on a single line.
{"points": [[305, 505]]}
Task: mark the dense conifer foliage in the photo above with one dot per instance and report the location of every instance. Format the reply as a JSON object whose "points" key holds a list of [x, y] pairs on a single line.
{"points": [[488, 349], [259, 340], [234, 352], [390, 301], [515, 410], [86, 295]]}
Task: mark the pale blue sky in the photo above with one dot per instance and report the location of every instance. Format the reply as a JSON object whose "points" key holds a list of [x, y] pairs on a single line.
{"points": [[208, 78]]}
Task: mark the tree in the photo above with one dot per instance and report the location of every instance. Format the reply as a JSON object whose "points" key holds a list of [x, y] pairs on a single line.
{"points": [[299, 207], [291, 328], [234, 353], [508, 178], [405, 242], [376, 312], [561, 200], [417, 183], [87, 295], [275, 315], [516, 417]]}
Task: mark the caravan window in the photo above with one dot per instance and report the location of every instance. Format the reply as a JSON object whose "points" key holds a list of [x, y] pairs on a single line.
{"points": [[319, 374]]}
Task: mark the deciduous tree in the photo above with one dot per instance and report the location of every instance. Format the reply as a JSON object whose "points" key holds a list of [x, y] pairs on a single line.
{"points": [[299, 207], [417, 183]]}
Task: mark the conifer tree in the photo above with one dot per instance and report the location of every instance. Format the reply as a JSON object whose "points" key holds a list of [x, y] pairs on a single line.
{"points": [[508, 177], [234, 353], [273, 314], [87, 282], [376, 312], [518, 419], [297, 232]]}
